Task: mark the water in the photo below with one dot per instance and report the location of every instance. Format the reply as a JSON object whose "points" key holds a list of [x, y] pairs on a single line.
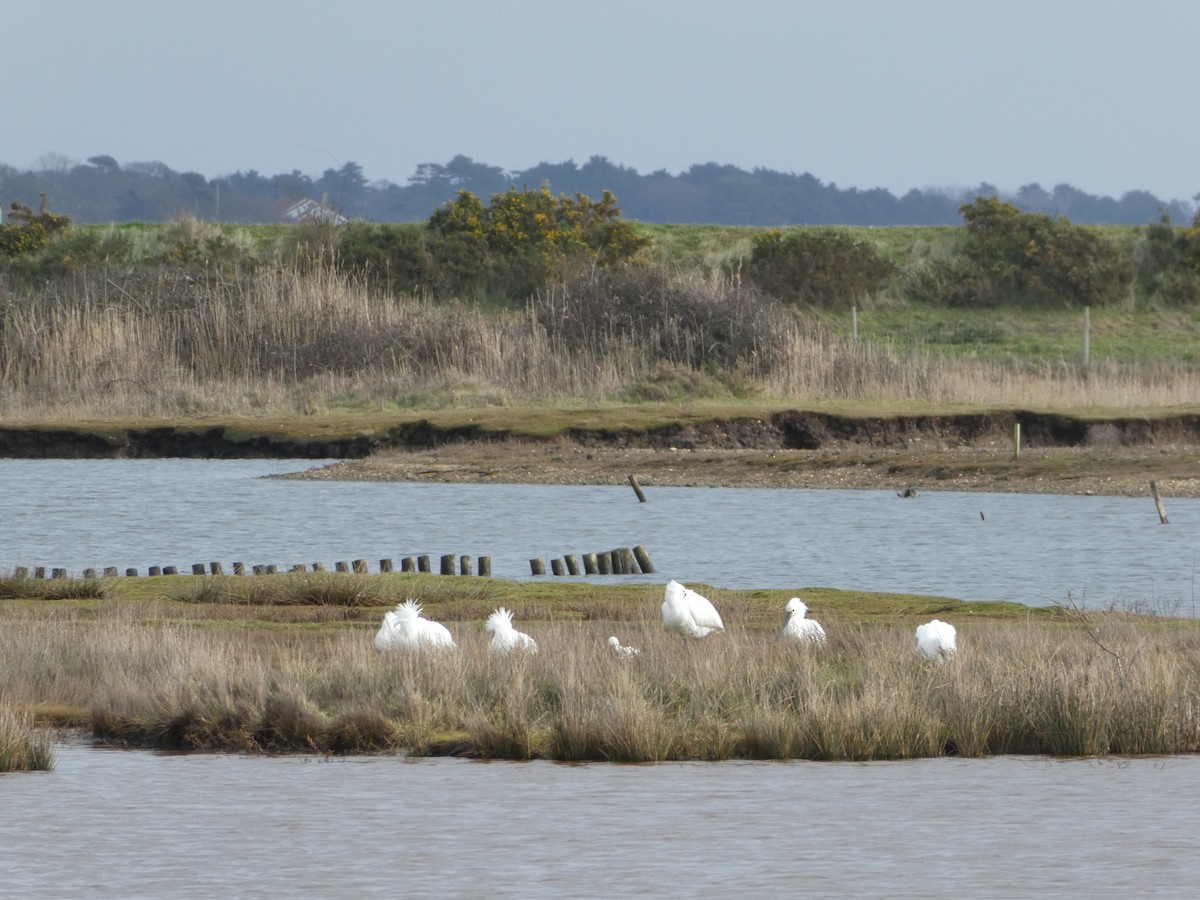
{"points": [[119, 824], [1031, 548]]}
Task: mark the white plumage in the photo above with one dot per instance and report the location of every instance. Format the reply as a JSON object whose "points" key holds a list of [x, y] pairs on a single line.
{"points": [[404, 629], [621, 649], [797, 628], [936, 640], [505, 638], [687, 613]]}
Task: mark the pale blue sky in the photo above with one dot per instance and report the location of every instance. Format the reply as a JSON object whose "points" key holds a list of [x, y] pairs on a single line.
{"points": [[862, 93]]}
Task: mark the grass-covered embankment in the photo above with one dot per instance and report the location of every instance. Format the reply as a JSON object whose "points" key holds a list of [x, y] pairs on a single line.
{"points": [[286, 663]]}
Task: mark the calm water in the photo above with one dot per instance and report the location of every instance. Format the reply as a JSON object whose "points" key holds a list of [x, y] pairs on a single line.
{"points": [[1029, 548], [114, 823]]}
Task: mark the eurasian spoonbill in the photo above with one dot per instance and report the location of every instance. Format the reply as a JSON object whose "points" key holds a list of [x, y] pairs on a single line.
{"points": [[620, 649], [936, 640], [505, 638], [687, 613], [404, 629], [797, 628]]}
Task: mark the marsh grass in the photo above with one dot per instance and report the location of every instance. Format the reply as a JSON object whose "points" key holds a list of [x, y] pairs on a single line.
{"points": [[23, 748], [161, 674]]}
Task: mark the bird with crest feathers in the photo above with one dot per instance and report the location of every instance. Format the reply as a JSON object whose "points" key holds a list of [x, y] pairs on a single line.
{"points": [[505, 638], [404, 629]]}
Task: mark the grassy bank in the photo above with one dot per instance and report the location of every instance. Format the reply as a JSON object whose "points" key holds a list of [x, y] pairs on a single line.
{"points": [[287, 664]]}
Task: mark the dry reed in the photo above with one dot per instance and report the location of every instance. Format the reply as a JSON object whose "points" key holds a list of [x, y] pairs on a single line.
{"points": [[289, 340]]}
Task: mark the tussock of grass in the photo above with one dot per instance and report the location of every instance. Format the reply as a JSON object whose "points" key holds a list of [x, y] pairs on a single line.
{"points": [[22, 747]]}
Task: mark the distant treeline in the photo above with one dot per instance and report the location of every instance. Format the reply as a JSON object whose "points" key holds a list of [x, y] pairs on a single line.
{"points": [[103, 190]]}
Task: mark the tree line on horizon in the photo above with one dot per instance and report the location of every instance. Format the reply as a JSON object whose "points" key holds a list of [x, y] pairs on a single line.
{"points": [[102, 190]]}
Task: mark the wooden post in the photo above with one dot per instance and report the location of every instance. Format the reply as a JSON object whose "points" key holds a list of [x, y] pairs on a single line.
{"points": [[21, 572], [1162, 513], [258, 569], [39, 571], [198, 568], [154, 570], [89, 573], [1016, 440], [485, 567], [447, 567], [537, 566], [341, 566], [465, 565], [408, 564], [170, 570], [216, 568], [590, 565], [239, 568], [110, 571], [637, 488], [618, 561], [58, 573], [604, 563], [131, 573], [423, 564], [297, 567], [643, 559], [557, 567], [271, 568], [360, 566], [318, 567], [1087, 329], [572, 563], [385, 565]]}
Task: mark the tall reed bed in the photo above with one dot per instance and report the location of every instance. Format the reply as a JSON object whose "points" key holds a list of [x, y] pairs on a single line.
{"points": [[140, 678], [289, 339]]}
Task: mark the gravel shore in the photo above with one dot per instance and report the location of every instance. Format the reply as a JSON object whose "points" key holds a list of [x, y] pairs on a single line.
{"points": [[1119, 471]]}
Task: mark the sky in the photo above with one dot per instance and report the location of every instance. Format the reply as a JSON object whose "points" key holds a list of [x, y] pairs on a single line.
{"points": [[1098, 94]]}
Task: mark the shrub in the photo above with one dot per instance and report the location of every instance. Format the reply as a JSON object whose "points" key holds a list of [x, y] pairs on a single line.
{"points": [[1168, 263], [523, 239], [817, 266], [1032, 257], [28, 232], [692, 322]]}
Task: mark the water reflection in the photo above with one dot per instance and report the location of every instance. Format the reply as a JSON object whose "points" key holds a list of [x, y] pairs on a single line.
{"points": [[118, 823], [1030, 548]]}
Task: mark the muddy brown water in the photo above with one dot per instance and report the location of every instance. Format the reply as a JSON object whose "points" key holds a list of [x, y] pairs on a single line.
{"points": [[133, 823]]}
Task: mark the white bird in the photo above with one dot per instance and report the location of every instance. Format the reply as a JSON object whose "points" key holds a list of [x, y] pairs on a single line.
{"points": [[620, 649], [797, 628], [404, 629], [687, 613], [505, 638], [936, 640]]}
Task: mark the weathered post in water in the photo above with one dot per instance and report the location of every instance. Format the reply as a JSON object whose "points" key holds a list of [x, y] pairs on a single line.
{"points": [[557, 567], [572, 562], [1162, 513], [447, 564], [464, 565], [590, 565], [385, 565], [537, 566], [637, 488], [485, 567], [643, 559]]}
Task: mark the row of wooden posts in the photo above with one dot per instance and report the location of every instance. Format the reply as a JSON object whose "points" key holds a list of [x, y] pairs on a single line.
{"points": [[622, 561]]}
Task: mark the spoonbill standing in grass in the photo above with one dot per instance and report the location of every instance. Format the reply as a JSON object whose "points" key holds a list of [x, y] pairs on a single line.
{"points": [[404, 629], [621, 649], [797, 628], [687, 613], [505, 638], [936, 640]]}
